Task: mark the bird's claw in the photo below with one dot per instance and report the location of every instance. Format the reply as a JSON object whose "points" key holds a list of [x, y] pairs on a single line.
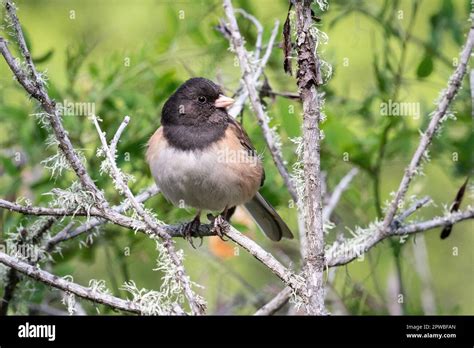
{"points": [[220, 226], [189, 230]]}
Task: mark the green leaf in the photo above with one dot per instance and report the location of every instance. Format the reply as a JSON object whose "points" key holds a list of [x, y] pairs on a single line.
{"points": [[425, 68], [44, 58]]}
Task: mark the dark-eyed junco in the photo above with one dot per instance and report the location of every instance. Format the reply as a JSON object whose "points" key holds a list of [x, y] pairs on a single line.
{"points": [[202, 158]]}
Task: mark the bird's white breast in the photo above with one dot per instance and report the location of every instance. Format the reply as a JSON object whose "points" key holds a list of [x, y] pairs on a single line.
{"points": [[211, 179]]}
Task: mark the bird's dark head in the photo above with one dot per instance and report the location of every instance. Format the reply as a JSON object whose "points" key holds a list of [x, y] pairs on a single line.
{"points": [[197, 101]]}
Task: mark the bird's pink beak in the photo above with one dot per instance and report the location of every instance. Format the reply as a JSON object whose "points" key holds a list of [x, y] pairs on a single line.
{"points": [[223, 101]]}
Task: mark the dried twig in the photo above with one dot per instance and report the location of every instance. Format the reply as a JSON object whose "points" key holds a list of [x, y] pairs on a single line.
{"points": [[436, 119], [242, 93], [118, 134], [258, 26], [196, 306], [68, 233], [337, 193], [249, 82], [335, 258], [276, 303], [309, 78], [174, 231], [60, 283], [36, 89]]}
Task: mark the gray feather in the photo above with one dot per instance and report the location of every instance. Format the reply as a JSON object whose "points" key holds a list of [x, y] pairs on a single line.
{"points": [[267, 218]]}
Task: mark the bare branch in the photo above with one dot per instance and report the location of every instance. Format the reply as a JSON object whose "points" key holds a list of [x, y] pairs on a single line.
{"points": [[258, 26], [242, 96], [337, 193], [438, 116], [351, 252], [196, 306], [333, 259], [37, 91], [118, 134], [11, 12], [288, 277], [266, 258], [263, 256], [42, 308], [68, 233], [249, 82], [60, 283], [417, 205], [309, 78], [276, 303], [40, 211]]}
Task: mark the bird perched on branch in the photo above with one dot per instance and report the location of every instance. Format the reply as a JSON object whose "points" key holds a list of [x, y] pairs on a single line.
{"points": [[201, 157]]}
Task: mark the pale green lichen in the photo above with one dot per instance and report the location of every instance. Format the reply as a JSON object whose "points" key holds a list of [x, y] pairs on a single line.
{"points": [[106, 167], [323, 4], [68, 298], [99, 287], [73, 198], [170, 295]]}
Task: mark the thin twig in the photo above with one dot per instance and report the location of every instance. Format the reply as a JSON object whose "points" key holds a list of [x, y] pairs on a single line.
{"points": [[68, 233], [11, 11], [335, 258], [60, 283], [266, 258], [397, 221], [258, 26], [11, 281], [337, 193], [276, 303], [118, 134], [439, 115], [249, 82], [242, 93], [37, 91], [176, 231], [196, 306]]}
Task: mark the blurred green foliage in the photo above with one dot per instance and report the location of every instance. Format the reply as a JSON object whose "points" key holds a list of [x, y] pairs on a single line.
{"points": [[128, 57]]}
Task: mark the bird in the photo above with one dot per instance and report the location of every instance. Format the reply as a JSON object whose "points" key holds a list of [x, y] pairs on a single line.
{"points": [[201, 157]]}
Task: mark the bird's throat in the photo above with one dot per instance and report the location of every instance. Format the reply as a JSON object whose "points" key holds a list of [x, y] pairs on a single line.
{"points": [[194, 137]]}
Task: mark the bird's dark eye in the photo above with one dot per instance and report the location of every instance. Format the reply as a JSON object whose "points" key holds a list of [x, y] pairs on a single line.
{"points": [[202, 99]]}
